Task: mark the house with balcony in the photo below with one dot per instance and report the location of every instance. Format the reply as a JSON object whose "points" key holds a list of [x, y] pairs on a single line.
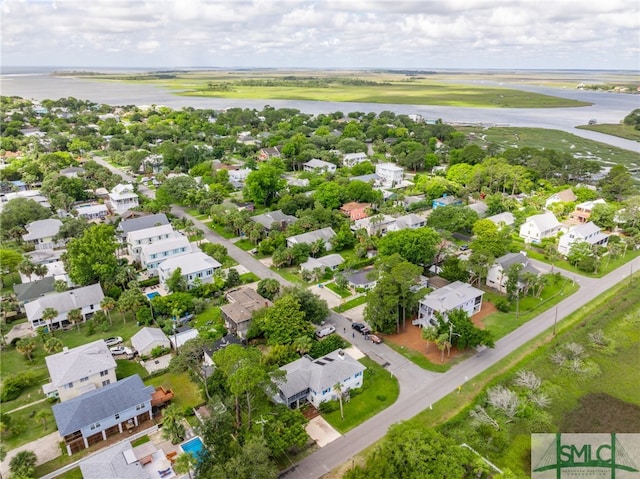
{"points": [[497, 273], [151, 255], [196, 268], [79, 370], [353, 159], [374, 225], [141, 223], [538, 227], [40, 233], [582, 213], [319, 166], [87, 299], [314, 380], [324, 234], [122, 198], [587, 232], [390, 175], [457, 295], [237, 313], [95, 416], [138, 238]]}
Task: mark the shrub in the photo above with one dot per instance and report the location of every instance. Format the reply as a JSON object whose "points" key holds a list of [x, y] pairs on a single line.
{"points": [[149, 282], [502, 304], [159, 351], [381, 397], [13, 385], [329, 406]]}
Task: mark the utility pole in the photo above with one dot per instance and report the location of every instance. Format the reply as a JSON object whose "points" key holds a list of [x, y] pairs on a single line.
{"points": [[555, 321]]}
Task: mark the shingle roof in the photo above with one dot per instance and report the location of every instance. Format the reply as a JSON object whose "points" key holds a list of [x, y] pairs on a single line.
{"points": [[149, 232], [65, 301], [451, 296], [506, 217], [29, 291], [80, 362], [143, 223], [324, 233], [147, 336], [243, 302], [96, 405], [267, 219], [544, 221], [167, 244], [189, 263], [329, 261], [111, 463], [316, 163], [361, 277], [42, 229]]}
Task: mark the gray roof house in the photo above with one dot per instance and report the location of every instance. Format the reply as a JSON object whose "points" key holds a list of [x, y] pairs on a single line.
{"points": [[538, 227], [360, 279], [457, 295], [479, 207], [319, 165], [41, 233], [588, 232], [26, 292], [330, 261], [142, 223], [497, 273], [87, 299], [122, 461], [78, 370], [242, 303], [408, 221], [149, 338], [278, 217], [505, 218], [99, 414], [314, 379], [325, 234]]}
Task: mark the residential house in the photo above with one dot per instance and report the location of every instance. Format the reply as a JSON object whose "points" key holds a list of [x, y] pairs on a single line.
{"points": [[33, 195], [479, 207], [564, 196], [582, 213], [182, 335], [410, 221], [147, 339], [457, 295], [92, 211], [497, 273], [324, 234], [122, 461], [371, 178], [331, 262], [274, 220], [238, 177], [265, 154], [445, 200], [589, 232], [353, 159], [138, 238], [356, 211], [72, 172], [505, 218], [196, 267], [374, 225], [221, 343], [122, 198], [27, 292], [242, 303], [363, 279], [538, 227], [151, 255], [87, 299], [390, 174], [40, 233], [99, 414], [410, 200], [314, 380], [141, 223], [319, 166], [79, 370], [297, 182]]}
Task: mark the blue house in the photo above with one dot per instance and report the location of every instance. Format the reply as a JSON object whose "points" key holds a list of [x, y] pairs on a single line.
{"points": [[445, 200]]}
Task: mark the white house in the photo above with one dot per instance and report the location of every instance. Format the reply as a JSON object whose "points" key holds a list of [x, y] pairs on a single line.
{"points": [[410, 221], [374, 225], [497, 273], [352, 159], [238, 177], [324, 234], [194, 267], [538, 227], [179, 338], [314, 380], [588, 232], [149, 338], [79, 370], [151, 255], [330, 261], [582, 213], [138, 238], [505, 218], [319, 166], [122, 198], [390, 174], [87, 299], [40, 233], [457, 295], [92, 211]]}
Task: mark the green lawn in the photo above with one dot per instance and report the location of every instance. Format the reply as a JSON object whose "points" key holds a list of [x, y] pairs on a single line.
{"points": [[342, 292], [249, 278], [352, 303], [8, 280], [290, 275], [187, 394], [221, 230], [245, 244], [419, 359], [620, 130], [126, 368], [24, 427], [380, 389], [605, 268]]}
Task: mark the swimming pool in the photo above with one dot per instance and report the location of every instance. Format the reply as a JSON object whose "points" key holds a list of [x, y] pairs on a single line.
{"points": [[153, 294], [193, 446]]}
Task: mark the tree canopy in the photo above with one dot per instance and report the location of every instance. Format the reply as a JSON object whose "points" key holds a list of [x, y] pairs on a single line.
{"points": [[91, 257], [418, 246]]}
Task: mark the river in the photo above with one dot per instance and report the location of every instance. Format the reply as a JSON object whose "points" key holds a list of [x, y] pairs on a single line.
{"points": [[606, 108]]}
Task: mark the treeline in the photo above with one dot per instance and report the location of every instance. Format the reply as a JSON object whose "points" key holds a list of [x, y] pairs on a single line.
{"points": [[309, 82]]}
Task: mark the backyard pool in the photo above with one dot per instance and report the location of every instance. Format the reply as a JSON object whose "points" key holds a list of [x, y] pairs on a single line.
{"points": [[153, 294], [193, 446]]}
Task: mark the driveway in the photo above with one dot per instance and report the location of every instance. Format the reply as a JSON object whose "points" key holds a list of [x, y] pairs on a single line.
{"points": [[321, 431], [46, 448]]}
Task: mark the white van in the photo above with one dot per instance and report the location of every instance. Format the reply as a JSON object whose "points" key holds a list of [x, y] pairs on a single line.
{"points": [[321, 333]]}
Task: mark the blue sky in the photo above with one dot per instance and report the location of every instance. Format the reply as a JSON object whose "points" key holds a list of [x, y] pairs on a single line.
{"points": [[556, 34]]}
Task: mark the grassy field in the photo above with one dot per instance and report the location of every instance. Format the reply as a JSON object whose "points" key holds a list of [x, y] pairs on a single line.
{"points": [[245, 244], [541, 138], [621, 130], [25, 427], [605, 268], [187, 394], [352, 303], [342, 292], [378, 87], [379, 391], [126, 368]]}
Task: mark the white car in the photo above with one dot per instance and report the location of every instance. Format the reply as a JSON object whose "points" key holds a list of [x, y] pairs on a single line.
{"points": [[321, 333], [121, 350], [113, 341]]}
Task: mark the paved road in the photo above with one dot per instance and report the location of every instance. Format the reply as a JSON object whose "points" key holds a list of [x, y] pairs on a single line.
{"points": [[418, 388]]}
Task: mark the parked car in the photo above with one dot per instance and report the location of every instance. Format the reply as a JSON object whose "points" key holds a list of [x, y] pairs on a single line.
{"points": [[464, 247], [113, 341], [121, 350], [358, 327], [321, 333], [375, 339]]}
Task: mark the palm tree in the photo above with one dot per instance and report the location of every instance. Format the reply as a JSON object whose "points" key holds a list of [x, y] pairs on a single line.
{"points": [[42, 415], [26, 346], [53, 345], [107, 305], [172, 427], [429, 334], [75, 317], [185, 462], [40, 270], [26, 268], [338, 388], [443, 343], [302, 344], [23, 464], [48, 315]]}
